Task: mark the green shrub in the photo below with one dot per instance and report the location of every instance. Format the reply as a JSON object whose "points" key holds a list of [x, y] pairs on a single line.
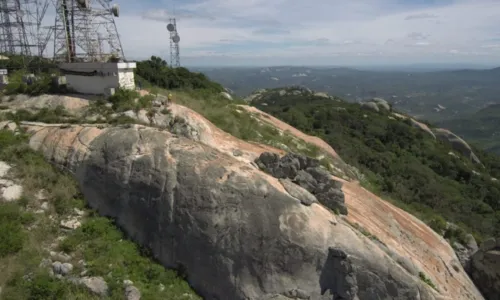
{"points": [[155, 71], [12, 236], [123, 100], [41, 286], [38, 174], [438, 224], [426, 280]]}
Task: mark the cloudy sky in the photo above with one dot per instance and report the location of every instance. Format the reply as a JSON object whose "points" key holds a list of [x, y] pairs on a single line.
{"points": [[315, 32]]}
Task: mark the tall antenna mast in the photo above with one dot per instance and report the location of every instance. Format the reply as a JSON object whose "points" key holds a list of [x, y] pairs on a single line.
{"points": [[175, 60], [81, 28], [20, 27]]}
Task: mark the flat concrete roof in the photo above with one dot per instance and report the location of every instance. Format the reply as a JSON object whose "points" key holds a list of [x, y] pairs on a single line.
{"points": [[98, 65]]}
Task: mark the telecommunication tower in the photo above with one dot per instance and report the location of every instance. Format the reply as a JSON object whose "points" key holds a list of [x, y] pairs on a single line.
{"points": [[21, 30], [175, 60], [85, 30]]}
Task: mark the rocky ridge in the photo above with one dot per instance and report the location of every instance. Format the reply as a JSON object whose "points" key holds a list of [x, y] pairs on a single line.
{"points": [[400, 237], [124, 163]]}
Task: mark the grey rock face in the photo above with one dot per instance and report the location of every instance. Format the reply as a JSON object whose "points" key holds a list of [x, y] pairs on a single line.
{"points": [[370, 106], [485, 269], [305, 172], [132, 293], [456, 143], [233, 229], [298, 192], [97, 285], [465, 252], [61, 268]]}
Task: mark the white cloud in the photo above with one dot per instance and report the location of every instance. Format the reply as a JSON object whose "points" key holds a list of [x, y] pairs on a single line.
{"points": [[328, 29]]}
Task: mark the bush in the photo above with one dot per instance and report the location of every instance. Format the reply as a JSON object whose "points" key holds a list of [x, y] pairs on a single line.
{"points": [[156, 71], [123, 100], [12, 236], [42, 84], [426, 280], [41, 286], [438, 224]]}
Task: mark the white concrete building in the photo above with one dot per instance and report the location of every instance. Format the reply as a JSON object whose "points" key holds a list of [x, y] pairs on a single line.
{"points": [[4, 79], [98, 77]]}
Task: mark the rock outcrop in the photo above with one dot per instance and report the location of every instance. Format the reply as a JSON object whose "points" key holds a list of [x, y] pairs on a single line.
{"points": [[236, 231], [485, 268], [465, 251], [70, 103], [376, 104], [456, 143], [306, 173]]}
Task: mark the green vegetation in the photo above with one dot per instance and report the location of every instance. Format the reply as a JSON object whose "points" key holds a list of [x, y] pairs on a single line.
{"points": [[32, 64], [427, 280], [26, 236], [11, 229], [156, 72], [45, 115], [197, 92], [401, 162], [365, 232], [42, 84], [105, 250]]}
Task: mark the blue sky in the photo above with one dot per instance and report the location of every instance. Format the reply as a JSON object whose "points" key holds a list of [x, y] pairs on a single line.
{"points": [[315, 32]]}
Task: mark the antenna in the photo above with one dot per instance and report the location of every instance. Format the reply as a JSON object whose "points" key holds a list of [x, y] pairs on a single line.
{"points": [[21, 32], [175, 60], [83, 27]]}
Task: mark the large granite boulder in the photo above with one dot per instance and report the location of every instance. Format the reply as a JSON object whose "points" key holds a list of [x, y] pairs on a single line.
{"points": [[465, 251], [305, 172], [485, 269], [456, 143], [232, 228]]}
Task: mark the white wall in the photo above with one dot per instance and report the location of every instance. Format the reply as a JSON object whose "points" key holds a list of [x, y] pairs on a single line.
{"points": [[91, 84], [114, 75], [126, 79]]}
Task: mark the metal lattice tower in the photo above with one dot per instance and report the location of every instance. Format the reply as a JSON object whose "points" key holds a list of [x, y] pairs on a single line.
{"points": [[175, 60], [85, 30], [20, 27]]}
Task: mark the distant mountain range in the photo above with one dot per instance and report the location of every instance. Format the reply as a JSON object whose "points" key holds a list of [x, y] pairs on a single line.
{"points": [[436, 95]]}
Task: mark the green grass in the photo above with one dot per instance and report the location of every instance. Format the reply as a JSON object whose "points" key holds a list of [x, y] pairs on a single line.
{"points": [[365, 232], [425, 279], [26, 238], [105, 250], [229, 117]]}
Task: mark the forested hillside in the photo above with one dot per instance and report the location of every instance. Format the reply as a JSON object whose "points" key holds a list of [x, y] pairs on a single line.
{"points": [[402, 163]]}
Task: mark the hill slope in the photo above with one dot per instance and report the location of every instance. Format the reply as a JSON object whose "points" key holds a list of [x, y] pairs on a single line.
{"points": [[482, 127], [422, 174], [187, 183], [388, 235]]}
